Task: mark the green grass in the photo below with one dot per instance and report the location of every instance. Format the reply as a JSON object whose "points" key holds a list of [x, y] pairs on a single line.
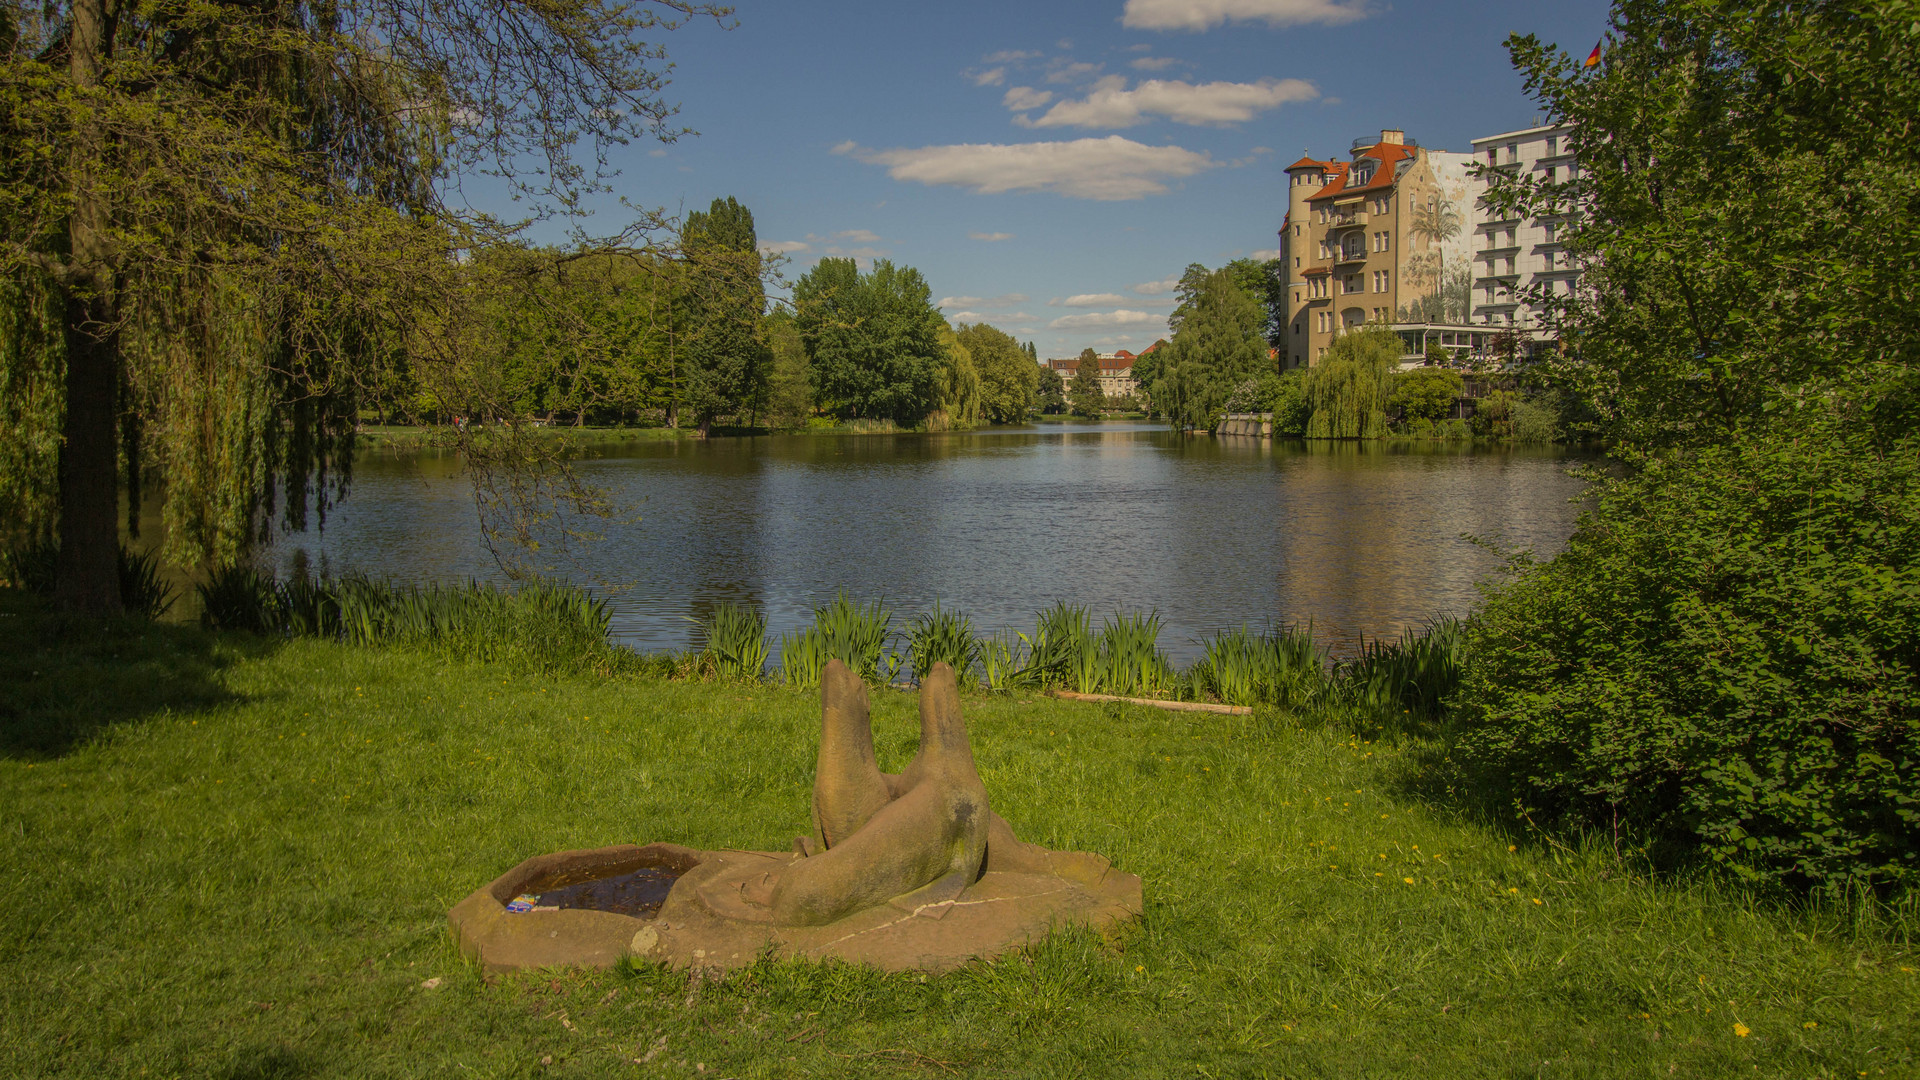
{"points": [[233, 858]]}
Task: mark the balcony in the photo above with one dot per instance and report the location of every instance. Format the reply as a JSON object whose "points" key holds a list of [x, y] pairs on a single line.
{"points": [[1349, 256], [1345, 221]]}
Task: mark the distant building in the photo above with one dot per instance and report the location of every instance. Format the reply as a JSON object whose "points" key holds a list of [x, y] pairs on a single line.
{"points": [[1514, 254], [1116, 371]]}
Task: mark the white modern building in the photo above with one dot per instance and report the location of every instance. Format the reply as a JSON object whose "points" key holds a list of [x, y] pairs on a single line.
{"points": [[1513, 254]]}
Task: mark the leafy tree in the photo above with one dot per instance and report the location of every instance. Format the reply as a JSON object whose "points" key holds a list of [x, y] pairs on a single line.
{"points": [[790, 385], [1217, 345], [1049, 393], [1146, 370], [722, 300], [1008, 374], [230, 214], [1084, 392], [1287, 401], [1426, 393], [1347, 391], [872, 340], [1748, 225]]}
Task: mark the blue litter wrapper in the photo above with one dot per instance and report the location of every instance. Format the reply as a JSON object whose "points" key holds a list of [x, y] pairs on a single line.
{"points": [[523, 902]]}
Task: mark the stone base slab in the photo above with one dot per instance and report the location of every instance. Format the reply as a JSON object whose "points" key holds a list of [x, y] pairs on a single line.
{"points": [[706, 922]]}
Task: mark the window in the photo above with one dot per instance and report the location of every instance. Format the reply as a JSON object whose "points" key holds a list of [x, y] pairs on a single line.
{"points": [[1550, 230], [1551, 171], [1296, 262], [1513, 153], [1553, 145], [1546, 260], [1493, 155], [1296, 230]]}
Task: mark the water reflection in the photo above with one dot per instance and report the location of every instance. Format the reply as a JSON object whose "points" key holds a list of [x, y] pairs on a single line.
{"points": [[1211, 533]]}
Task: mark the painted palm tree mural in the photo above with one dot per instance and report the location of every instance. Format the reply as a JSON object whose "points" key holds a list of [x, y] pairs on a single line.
{"points": [[1444, 291]]}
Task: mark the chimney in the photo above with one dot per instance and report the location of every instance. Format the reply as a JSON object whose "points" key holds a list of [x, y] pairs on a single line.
{"points": [[1392, 137]]}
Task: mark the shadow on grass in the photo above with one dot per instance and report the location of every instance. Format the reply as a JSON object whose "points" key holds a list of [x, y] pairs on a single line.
{"points": [[65, 680]]}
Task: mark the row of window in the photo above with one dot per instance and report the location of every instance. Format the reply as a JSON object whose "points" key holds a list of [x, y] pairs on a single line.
{"points": [[1325, 321], [1319, 287]]}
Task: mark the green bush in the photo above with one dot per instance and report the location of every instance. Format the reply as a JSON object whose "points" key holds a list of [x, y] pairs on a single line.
{"points": [[1536, 419], [1725, 659]]}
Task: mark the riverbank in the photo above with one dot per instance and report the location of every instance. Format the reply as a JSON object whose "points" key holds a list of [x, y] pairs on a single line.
{"points": [[234, 857]]}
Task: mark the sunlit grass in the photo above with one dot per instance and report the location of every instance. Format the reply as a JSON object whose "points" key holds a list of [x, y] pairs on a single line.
{"points": [[234, 858]]}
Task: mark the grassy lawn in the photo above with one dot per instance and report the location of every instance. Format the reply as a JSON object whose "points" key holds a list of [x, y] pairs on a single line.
{"points": [[234, 858]]}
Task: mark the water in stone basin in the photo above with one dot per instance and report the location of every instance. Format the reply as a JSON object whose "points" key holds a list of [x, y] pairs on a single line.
{"points": [[638, 893]]}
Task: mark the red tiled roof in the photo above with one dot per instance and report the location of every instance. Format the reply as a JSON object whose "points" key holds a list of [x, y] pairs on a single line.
{"points": [[1387, 154], [1308, 163]]}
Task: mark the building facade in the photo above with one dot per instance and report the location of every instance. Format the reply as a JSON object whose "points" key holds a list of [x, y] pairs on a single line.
{"points": [[1515, 255], [1116, 371], [1375, 239]]}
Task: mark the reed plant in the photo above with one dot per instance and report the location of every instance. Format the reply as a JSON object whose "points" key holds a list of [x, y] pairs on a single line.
{"points": [[803, 656], [857, 636], [1063, 649], [1002, 656], [143, 593], [1406, 681], [1280, 666], [944, 636], [1130, 660], [736, 641]]}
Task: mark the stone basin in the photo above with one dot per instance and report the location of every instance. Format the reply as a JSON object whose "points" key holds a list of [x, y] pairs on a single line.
{"points": [[704, 922]]}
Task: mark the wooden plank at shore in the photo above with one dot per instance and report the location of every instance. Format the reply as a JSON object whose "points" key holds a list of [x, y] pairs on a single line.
{"points": [[1176, 706]]}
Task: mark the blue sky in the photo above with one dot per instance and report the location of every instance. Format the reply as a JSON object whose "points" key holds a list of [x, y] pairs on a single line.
{"points": [[1050, 166]]}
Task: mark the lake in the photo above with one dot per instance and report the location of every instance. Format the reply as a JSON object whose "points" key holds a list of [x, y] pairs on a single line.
{"points": [[1211, 533]]}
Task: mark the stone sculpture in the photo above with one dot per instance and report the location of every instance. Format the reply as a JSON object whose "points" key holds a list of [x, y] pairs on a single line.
{"points": [[903, 871]]}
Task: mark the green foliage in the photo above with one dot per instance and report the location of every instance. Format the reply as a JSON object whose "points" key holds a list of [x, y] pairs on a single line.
{"points": [[856, 636], [1084, 392], [1280, 667], [1745, 207], [1049, 392], [1003, 657], [1131, 662], [1426, 393], [790, 384], [1726, 658], [537, 626], [1536, 418], [1063, 650], [720, 303], [1008, 375], [143, 592], [1413, 679], [803, 658], [939, 636], [1217, 344], [872, 340], [1348, 391], [735, 637]]}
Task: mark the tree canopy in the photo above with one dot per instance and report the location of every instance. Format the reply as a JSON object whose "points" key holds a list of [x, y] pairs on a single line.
{"points": [[1006, 369], [1218, 343], [872, 339]]}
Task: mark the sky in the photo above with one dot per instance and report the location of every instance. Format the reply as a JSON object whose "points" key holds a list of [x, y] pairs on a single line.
{"points": [[1051, 167]]}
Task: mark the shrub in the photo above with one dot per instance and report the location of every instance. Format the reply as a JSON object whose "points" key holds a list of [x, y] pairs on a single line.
{"points": [[943, 636], [1726, 657], [736, 641], [1536, 420]]}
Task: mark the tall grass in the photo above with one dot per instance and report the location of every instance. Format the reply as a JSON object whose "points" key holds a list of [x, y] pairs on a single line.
{"points": [[736, 641], [1407, 679], [944, 636], [842, 630], [539, 625], [1281, 667], [1130, 660], [142, 592], [1002, 657], [1063, 650]]}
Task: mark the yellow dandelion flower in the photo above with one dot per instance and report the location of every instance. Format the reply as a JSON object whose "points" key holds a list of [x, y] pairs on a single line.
{"points": [[1513, 847], [1408, 880], [1139, 967], [1513, 890], [1810, 1025], [1742, 1030], [1536, 900]]}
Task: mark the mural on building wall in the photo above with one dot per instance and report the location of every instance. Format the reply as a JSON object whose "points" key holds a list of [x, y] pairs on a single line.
{"points": [[1440, 272]]}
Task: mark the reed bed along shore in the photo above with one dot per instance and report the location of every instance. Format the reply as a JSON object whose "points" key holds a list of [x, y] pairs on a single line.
{"points": [[237, 852]]}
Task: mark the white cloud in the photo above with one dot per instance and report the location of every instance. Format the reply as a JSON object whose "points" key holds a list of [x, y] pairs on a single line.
{"points": [[990, 77], [1001, 301], [1122, 317], [1009, 56], [990, 237], [1111, 105], [1026, 97], [656, 152], [1088, 300], [858, 236], [857, 253], [1106, 169], [1264, 254], [785, 247], [847, 147], [1207, 14], [1064, 71], [1154, 63], [1155, 288], [966, 317]]}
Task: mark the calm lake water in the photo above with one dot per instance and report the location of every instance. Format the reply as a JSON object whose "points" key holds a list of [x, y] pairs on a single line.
{"points": [[1361, 540]]}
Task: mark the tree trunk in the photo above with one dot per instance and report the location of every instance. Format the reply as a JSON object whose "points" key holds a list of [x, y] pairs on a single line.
{"points": [[87, 576]]}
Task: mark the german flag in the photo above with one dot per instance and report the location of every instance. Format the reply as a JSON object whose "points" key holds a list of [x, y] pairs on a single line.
{"points": [[1593, 58]]}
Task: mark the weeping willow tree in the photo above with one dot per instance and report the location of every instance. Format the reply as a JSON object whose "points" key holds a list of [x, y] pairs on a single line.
{"points": [[224, 223], [960, 383], [1347, 391]]}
